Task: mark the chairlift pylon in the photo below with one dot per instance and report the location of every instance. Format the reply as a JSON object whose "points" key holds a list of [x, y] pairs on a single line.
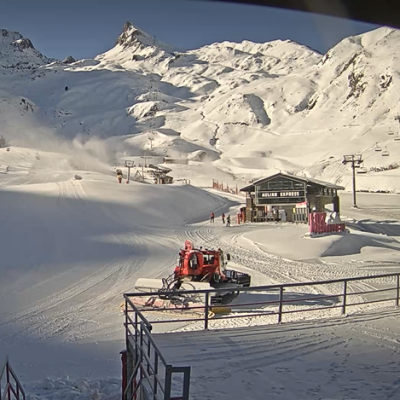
{"points": [[377, 147], [385, 153]]}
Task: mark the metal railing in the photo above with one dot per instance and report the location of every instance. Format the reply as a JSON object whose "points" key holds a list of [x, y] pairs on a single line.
{"points": [[147, 373], [10, 386], [339, 301]]}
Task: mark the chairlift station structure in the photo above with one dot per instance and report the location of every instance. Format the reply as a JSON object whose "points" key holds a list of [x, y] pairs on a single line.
{"points": [[288, 198]]}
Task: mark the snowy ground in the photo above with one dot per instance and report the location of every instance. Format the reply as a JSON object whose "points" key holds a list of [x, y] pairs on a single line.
{"points": [[346, 358], [71, 248]]}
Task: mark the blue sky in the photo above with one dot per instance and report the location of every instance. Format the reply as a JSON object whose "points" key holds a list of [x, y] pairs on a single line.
{"points": [[85, 28]]}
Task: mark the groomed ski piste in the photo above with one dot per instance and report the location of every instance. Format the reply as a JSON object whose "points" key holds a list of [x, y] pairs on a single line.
{"points": [[71, 248]]}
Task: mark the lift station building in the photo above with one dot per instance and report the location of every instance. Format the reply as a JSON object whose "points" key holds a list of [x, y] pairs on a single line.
{"points": [[283, 197]]}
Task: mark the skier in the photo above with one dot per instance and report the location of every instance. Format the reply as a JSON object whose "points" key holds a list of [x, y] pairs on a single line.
{"points": [[228, 220], [223, 218], [212, 217], [119, 175]]}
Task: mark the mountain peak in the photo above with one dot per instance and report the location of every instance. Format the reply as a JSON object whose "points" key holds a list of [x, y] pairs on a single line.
{"points": [[9, 36], [128, 25], [132, 36], [136, 38], [16, 49]]}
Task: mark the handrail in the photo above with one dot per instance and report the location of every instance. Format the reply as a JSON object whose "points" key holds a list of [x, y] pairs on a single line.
{"points": [[142, 346], [203, 311], [18, 392], [145, 362], [3, 370], [142, 317], [147, 328], [269, 287], [161, 358]]}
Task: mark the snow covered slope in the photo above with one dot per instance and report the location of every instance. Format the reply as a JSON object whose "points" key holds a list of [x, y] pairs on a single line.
{"points": [[70, 249], [254, 108]]}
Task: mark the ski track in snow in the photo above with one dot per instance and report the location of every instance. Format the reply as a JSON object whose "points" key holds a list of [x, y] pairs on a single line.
{"points": [[279, 269], [53, 316], [44, 320], [74, 312], [347, 358]]}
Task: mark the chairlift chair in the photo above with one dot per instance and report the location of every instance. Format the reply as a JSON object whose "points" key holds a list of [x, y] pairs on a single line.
{"points": [[385, 153], [362, 170], [391, 133], [377, 147], [397, 137]]}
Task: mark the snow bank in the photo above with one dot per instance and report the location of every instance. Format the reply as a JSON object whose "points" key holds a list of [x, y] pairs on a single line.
{"points": [[361, 246], [67, 389], [139, 204]]}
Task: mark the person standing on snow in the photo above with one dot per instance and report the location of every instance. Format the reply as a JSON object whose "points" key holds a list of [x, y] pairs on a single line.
{"points": [[212, 217], [119, 175], [228, 220], [223, 218]]}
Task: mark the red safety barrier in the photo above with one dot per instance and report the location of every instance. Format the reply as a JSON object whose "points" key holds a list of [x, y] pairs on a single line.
{"points": [[125, 376], [318, 225], [124, 373]]}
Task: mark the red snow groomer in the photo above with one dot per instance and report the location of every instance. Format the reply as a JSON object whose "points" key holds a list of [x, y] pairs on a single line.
{"points": [[197, 269]]}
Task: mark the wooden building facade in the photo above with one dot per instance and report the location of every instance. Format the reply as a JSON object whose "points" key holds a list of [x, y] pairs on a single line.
{"points": [[283, 197]]}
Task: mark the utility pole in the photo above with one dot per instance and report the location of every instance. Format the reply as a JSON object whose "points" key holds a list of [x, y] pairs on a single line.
{"points": [[129, 164], [355, 160], [145, 163]]}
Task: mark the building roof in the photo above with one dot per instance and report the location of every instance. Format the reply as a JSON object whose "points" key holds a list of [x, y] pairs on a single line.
{"points": [[308, 181]]}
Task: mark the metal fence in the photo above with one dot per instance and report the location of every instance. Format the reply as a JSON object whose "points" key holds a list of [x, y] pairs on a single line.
{"points": [[226, 188], [147, 374], [341, 300], [10, 386]]}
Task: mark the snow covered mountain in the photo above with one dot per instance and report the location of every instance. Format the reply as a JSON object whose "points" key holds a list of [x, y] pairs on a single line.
{"points": [[18, 52], [254, 108]]}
